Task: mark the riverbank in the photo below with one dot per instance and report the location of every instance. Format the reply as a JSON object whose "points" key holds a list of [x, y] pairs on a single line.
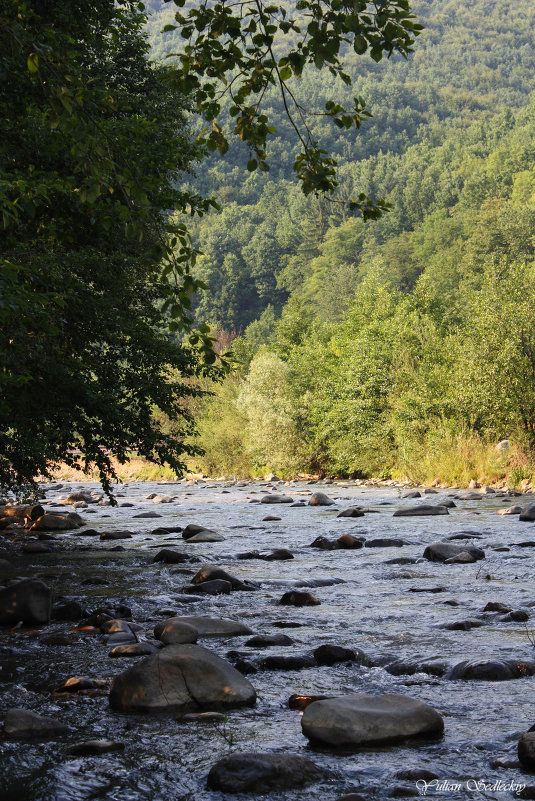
{"points": [[467, 465]]}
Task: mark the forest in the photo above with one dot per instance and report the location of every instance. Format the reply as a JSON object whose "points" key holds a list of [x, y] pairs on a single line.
{"points": [[402, 346]]}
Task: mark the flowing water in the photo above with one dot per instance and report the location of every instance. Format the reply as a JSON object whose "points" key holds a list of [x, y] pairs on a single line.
{"points": [[365, 602]]}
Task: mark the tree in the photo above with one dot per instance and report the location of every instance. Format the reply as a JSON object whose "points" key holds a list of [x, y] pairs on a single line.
{"points": [[91, 143], [235, 51], [96, 282]]}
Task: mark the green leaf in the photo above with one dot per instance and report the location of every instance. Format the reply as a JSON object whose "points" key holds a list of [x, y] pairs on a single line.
{"points": [[33, 62]]}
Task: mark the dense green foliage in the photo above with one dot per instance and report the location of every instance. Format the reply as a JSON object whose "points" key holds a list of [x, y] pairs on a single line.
{"points": [[92, 141], [403, 344], [471, 63]]}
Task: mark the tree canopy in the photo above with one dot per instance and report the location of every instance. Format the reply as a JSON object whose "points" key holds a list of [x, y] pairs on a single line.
{"points": [[95, 316], [92, 140]]}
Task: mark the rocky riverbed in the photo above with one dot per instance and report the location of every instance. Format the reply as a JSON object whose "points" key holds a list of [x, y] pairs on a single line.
{"points": [[193, 625]]}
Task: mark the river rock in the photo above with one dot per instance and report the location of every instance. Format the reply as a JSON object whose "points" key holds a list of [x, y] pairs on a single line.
{"points": [[176, 632], [349, 542], [254, 772], [37, 547], [214, 587], [443, 551], [363, 720], [24, 724], [323, 544], [211, 572], [268, 640], [276, 499], [320, 499], [68, 610], [496, 606], [206, 536], [52, 521], [170, 557], [29, 600], [526, 750], [288, 662], [528, 514], [296, 598], [300, 701], [412, 494], [77, 684], [433, 666], [180, 678], [192, 529], [116, 535], [133, 649], [351, 511], [95, 747], [331, 654], [463, 558], [421, 509], [21, 512], [147, 515], [510, 510], [491, 670], [278, 555], [207, 626]]}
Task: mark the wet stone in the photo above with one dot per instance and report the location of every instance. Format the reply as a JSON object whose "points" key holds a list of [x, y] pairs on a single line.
{"points": [[95, 747], [365, 720], [526, 751], [133, 650], [296, 598], [491, 670], [290, 662], [256, 772], [320, 499], [351, 511], [442, 551], [215, 587], [423, 509], [28, 601], [180, 678], [331, 654], [268, 640], [170, 557], [300, 702], [24, 724]]}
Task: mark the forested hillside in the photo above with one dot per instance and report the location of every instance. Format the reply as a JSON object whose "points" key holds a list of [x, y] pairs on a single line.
{"points": [[371, 347]]}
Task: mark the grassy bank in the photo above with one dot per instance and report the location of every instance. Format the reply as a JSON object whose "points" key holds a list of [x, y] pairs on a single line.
{"points": [[452, 460]]}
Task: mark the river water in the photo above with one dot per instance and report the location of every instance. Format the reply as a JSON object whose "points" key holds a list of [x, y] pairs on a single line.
{"points": [[372, 606]]}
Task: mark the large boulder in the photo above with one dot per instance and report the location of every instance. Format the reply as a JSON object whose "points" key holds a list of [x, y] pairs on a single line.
{"points": [[420, 510], [206, 626], [362, 720], [180, 678], [251, 772], [29, 600], [444, 551]]}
